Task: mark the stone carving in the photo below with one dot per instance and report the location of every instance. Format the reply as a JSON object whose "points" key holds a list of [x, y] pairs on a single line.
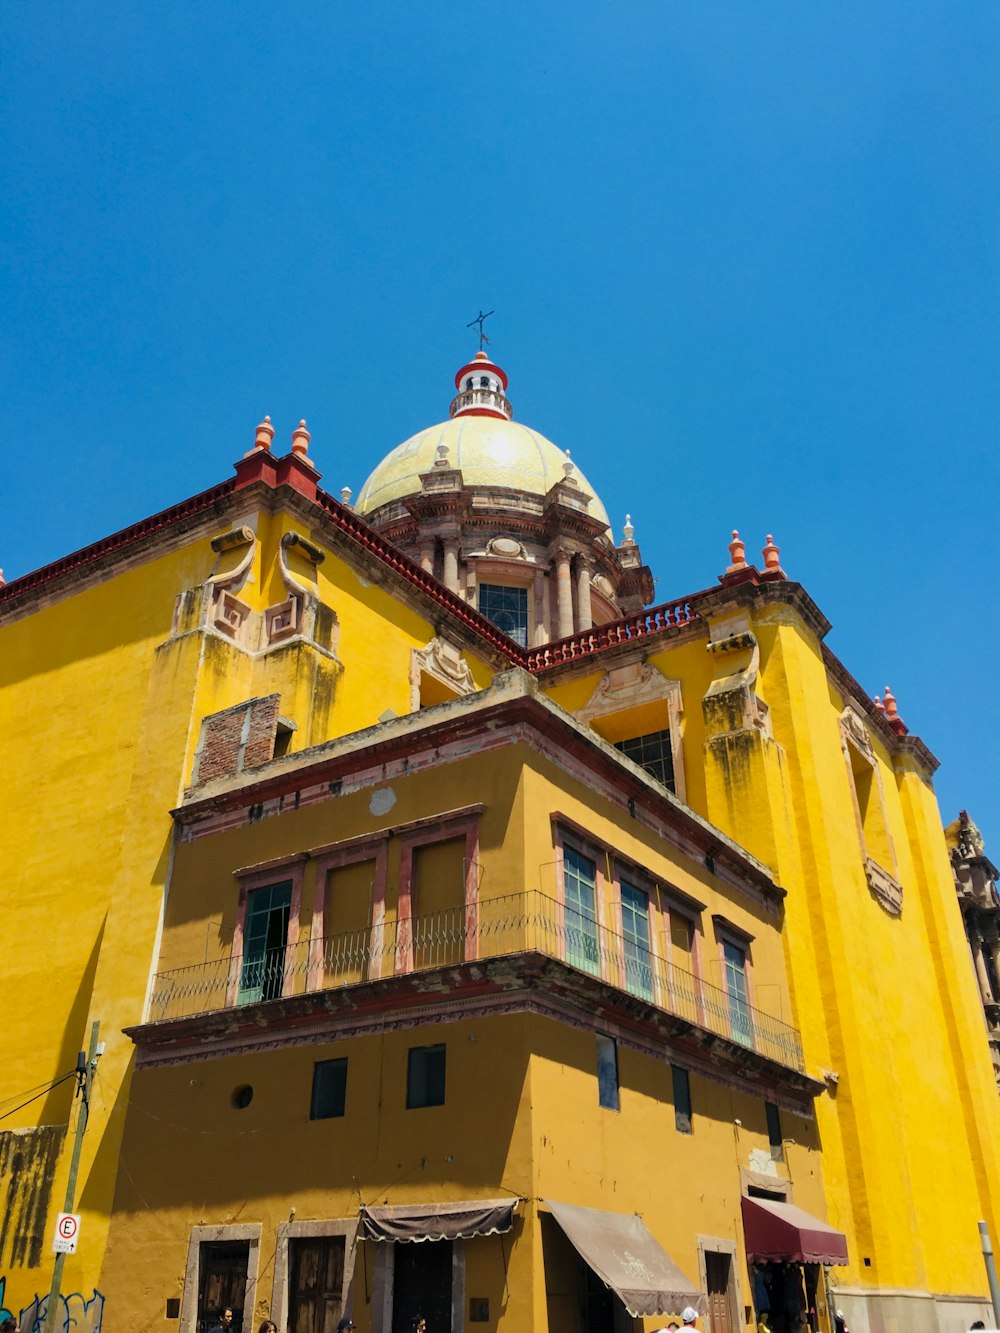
{"points": [[507, 547], [444, 662], [230, 614], [631, 685], [854, 729], [886, 889], [282, 621], [628, 686]]}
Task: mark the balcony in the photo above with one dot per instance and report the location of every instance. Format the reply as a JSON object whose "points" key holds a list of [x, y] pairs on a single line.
{"points": [[494, 928]]}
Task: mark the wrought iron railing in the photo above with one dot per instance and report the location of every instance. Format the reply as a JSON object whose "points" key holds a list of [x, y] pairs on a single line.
{"points": [[492, 928]]}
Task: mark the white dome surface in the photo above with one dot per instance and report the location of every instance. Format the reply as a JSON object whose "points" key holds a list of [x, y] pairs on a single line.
{"points": [[487, 450]]}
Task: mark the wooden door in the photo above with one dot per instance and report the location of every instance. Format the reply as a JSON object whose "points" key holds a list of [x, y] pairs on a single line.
{"points": [[316, 1295], [222, 1282], [717, 1268]]}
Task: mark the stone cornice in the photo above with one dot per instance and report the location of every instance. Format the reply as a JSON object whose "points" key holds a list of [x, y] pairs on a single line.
{"points": [[24, 595], [513, 701]]}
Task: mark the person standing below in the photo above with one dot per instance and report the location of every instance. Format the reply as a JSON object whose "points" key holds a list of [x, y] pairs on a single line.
{"points": [[688, 1315], [225, 1322]]}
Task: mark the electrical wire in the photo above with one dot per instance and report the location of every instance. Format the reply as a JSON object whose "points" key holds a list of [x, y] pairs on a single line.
{"points": [[43, 1086], [54, 1084]]}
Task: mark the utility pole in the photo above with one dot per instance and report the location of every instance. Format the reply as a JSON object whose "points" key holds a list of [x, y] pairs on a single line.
{"points": [[85, 1066], [991, 1271]]}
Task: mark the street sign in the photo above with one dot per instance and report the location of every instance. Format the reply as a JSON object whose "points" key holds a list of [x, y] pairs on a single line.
{"points": [[67, 1233]]}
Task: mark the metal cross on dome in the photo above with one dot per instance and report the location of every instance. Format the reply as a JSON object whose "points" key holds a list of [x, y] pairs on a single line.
{"points": [[478, 323]]}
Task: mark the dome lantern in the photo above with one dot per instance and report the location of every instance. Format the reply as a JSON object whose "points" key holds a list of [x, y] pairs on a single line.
{"points": [[481, 388]]}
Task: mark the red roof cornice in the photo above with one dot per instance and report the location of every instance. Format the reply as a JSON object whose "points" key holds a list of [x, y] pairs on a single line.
{"points": [[118, 541]]}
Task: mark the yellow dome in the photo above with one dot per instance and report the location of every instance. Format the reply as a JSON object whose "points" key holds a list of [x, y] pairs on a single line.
{"points": [[487, 450]]}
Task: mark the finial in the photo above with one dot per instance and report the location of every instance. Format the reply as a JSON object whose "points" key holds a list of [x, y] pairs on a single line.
{"points": [[629, 531], [300, 441], [3, 581], [891, 713], [441, 455], [345, 496], [263, 438], [737, 553], [478, 323], [771, 554], [879, 705]]}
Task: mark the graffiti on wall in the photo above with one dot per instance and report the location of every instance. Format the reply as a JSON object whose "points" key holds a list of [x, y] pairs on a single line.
{"points": [[77, 1313]]}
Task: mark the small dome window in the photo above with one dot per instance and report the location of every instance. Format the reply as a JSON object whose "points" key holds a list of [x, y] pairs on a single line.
{"points": [[484, 381], [469, 382]]}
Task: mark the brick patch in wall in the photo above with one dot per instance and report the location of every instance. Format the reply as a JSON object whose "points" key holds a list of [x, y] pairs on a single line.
{"points": [[237, 738]]}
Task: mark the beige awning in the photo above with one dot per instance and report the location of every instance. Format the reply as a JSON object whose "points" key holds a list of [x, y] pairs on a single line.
{"points": [[627, 1258], [438, 1221]]}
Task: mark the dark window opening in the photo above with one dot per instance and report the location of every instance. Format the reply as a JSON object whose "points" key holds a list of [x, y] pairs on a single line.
{"points": [[283, 739], [607, 1073], [329, 1090], [774, 1132], [265, 935], [484, 382], [682, 1099], [507, 608], [653, 753], [469, 382], [422, 1286], [425, 1076]]}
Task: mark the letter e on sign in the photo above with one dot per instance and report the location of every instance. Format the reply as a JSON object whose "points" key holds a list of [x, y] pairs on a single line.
{"points": [[67, 1233]]}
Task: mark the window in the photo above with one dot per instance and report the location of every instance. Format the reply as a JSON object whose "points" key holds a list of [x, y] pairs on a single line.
{"points": [[329, 1090], [265, 935], [682, 1099], [734, 960], [635, 936], [469, 383], [653, 753], [774, 1132], [875, 837], [507, 608], [425, 1076], [484, 381], [580, 892], [607, 1073]]}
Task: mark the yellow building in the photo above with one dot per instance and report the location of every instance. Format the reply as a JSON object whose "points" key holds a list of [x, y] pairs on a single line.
{"points": [[468, 941]]}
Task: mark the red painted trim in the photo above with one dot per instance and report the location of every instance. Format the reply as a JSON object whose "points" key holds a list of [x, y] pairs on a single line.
{"points": [[118, 541], [480, 412], [260, 465], [480, 366], [369, 539]]}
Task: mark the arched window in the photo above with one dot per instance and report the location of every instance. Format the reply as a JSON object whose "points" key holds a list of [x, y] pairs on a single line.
{"points": [[469, 382], [484, 381]]}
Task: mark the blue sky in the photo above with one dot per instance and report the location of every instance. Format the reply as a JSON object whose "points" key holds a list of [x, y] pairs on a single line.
{"points": [[744, 261]]}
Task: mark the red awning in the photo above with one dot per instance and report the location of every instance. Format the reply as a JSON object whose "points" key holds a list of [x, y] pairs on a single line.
{"points": [[780, 1231]]}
